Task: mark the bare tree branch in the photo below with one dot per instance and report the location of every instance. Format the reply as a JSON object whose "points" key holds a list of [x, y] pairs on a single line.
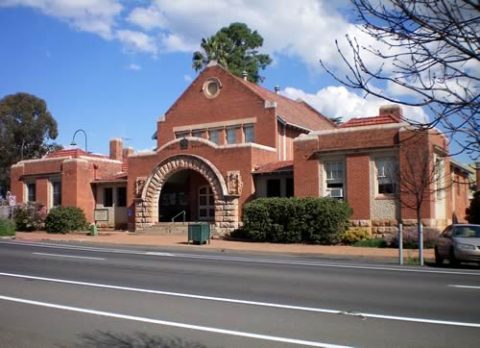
{"points": [[428, 48]]}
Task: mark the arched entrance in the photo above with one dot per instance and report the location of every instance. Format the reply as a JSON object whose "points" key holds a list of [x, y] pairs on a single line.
{"points": [[186, 192], [175, 170]]}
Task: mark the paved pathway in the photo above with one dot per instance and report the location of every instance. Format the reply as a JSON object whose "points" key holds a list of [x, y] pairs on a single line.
{"points": [[180, 241]]}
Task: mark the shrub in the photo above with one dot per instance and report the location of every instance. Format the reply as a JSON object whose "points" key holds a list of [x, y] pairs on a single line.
{"points": [[410, 238], [291, 220], [29, 217], [355, 234], [7, 227], [65, 219], [473, 212], [371, 243]]}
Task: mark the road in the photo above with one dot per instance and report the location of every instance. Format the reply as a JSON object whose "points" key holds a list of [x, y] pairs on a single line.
{"points": [[55, 295]]}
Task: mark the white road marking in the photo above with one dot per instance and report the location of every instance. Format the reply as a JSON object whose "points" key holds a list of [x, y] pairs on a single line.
{"points": [[71, 256], [246, 302], [174, 324], [158, 253], [464, 286], [290, 262]]}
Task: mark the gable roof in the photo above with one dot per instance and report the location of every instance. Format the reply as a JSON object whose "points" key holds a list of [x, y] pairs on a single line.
{"points": [[274, 167], [295, 113]]}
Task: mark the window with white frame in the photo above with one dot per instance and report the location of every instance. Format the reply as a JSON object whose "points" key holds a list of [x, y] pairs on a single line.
{"points": [[31, 192], [56, 193], [334, 178], [214, 135], [231, 135], [197, 133], [386, 175], [179, 135], [248, 131]]}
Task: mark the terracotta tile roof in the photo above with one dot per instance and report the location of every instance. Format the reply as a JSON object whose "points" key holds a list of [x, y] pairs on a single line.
{"points": [[370, 121], [119, 177], [280, 166], [293, 112], [74, 153]]}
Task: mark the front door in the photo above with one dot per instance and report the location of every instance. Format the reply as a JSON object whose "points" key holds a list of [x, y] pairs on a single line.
{"points": [[206, 203]]}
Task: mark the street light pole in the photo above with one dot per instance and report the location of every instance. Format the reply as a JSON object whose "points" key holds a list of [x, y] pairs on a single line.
{"points": [[73, 143]]}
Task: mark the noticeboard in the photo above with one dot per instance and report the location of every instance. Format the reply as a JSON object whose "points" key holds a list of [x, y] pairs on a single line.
{"points": [[101, 214]]}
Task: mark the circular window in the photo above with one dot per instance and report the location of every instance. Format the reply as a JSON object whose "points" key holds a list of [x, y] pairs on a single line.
{"points": [[211, 88]]}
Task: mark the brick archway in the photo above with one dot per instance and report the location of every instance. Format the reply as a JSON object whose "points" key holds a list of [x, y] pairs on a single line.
{"points": [[226, 206]]}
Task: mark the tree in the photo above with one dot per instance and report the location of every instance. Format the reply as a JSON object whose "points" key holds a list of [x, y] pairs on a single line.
{"points": [[430, 51], [26, 125], [422, 177], [235, 48]]}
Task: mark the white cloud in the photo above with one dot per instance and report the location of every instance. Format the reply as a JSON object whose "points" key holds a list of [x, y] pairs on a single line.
{"points": [[137, 41], [94, 16], [147, 18], [337, 101], [187, 78], [134, 67], [305, 30], [176, 43]]}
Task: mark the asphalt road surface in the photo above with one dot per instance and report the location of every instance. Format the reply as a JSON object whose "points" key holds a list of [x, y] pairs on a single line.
{"points": [[55, 295]]}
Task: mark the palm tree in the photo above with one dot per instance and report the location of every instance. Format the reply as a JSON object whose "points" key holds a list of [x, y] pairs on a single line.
{"points": [[214, 48]]}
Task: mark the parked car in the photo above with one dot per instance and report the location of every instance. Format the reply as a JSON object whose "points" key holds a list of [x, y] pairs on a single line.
{"points": [[458, 242]]}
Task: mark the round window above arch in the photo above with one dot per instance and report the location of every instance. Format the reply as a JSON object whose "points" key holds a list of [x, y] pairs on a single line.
{"points": [[211, 87]]}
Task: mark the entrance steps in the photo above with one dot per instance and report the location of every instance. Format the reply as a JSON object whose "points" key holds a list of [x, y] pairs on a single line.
{"points": [[166, 228]]}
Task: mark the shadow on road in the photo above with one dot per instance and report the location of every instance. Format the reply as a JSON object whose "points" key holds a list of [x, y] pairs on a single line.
{"points": [[105, 339], [457, 266]]}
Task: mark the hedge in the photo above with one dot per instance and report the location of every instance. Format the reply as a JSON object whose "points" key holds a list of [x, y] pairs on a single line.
{"points": [[7, 227], [65, 219], [292, 220]]}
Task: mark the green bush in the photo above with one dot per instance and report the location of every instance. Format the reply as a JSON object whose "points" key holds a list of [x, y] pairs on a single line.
{"points": [[473, 212], [292, 220], [355, 234], [29, 217], [371, 243], [7, 227], [65, 219]]}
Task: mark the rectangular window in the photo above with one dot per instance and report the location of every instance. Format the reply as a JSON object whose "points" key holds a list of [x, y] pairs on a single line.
{"points": [[214, 136], [231, 135], [121, 196], [273, 188], [108, 197], [56, 193], [248, 131], [289, 187], [31, 192], [197, 133], [386, 175], [179, 135], [334, 178]]}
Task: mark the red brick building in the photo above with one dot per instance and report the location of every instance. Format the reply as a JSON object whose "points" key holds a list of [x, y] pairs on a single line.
{"points": [[226, 141]]}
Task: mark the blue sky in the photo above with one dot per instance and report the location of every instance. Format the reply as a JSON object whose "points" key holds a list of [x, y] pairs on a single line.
{"points": [[114, 67]]}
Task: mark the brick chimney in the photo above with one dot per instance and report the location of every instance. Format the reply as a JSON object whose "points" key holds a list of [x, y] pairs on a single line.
{"points": [[391, 109], [116, 149], [127, 152]]}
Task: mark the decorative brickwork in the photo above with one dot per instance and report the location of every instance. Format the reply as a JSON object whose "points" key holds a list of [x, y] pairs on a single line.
{"points": [[226, 205]]}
